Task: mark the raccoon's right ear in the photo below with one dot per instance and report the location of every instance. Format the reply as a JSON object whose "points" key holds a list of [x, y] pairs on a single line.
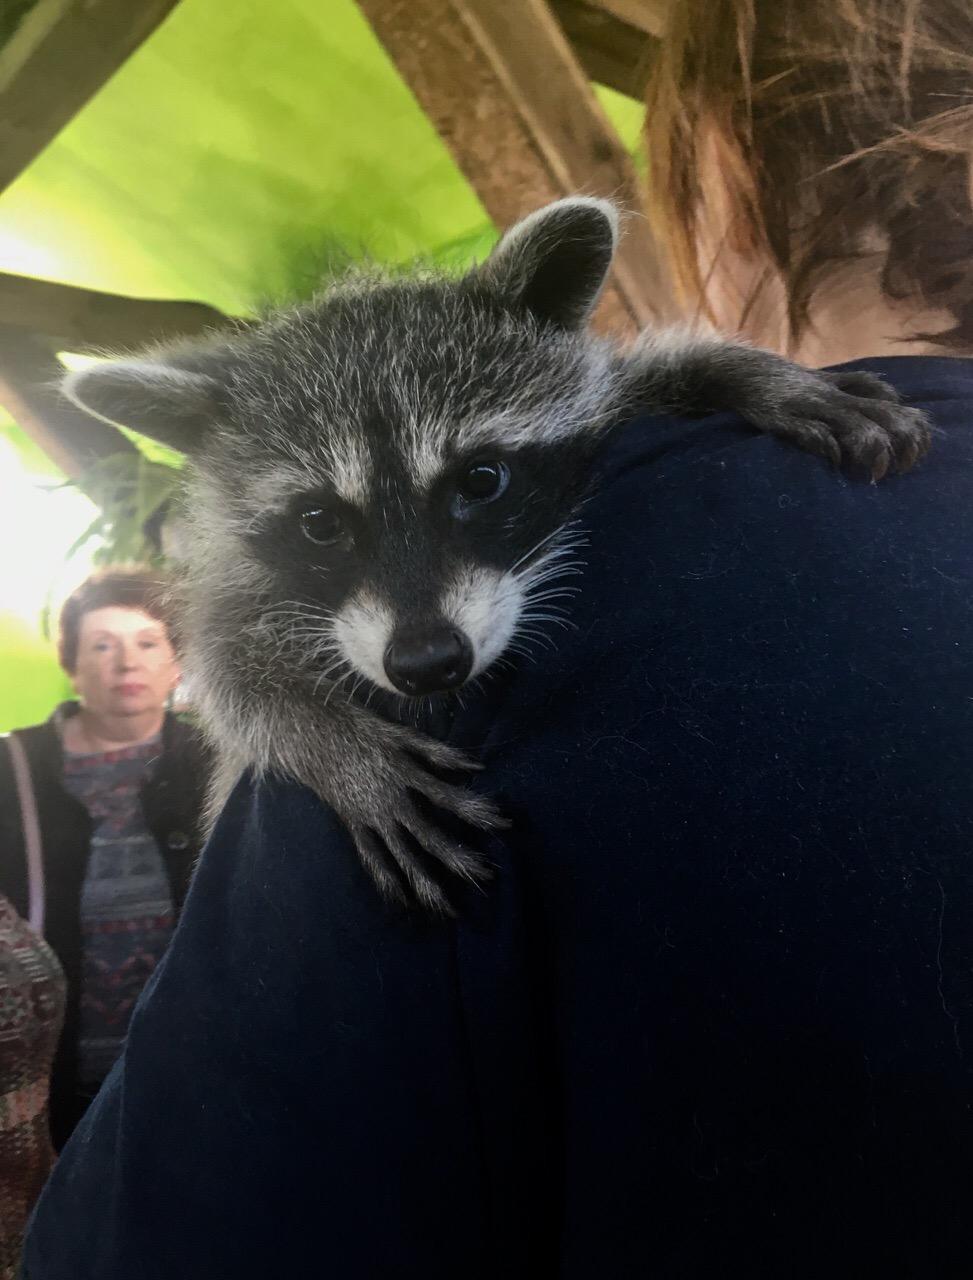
{"points": [[554, 262], [158, 400]]}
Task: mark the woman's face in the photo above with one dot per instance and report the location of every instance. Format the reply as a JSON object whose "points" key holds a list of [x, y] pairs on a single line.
{"points": [[126, 665]]}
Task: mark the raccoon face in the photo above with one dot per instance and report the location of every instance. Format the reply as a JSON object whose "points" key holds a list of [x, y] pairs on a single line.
{"points": [[422, 585], [397, 461]]}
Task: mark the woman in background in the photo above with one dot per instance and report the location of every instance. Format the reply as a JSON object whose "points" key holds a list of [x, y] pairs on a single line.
{"points": [[116, 782]]}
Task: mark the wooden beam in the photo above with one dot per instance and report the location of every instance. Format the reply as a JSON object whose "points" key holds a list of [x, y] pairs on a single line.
{"points": [[60, 54], [29, 376], [84, 319], [500, 82], [611, 51], [647, 16]]}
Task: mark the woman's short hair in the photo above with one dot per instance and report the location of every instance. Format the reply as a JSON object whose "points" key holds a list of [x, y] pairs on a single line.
{"points": [[840, 127], [125, 588]]}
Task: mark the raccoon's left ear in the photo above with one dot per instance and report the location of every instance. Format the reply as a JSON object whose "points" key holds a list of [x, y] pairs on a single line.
{"points": [[174, 406], [554, 262]]}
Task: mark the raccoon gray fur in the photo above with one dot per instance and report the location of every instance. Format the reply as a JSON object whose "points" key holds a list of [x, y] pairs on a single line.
{"points": [[381, 489]]}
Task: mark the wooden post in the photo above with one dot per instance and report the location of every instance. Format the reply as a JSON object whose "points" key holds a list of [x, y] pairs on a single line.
{"points": [[29, 376], [86, 319], [510, 99], [612, 51], [60, 54]]}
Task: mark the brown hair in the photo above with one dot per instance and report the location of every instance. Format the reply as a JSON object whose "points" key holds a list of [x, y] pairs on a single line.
{"points": [[831, 119], [125, 588]]}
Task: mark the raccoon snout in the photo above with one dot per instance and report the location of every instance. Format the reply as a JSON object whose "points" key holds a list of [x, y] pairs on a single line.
{"points": [[429, 661]]}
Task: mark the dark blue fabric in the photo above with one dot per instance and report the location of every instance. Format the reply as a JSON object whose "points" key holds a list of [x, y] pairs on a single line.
{"points": [[715, 1018]]}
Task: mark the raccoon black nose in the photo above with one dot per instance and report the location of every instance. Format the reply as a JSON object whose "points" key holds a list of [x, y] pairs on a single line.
{"points": [[432, 661]]}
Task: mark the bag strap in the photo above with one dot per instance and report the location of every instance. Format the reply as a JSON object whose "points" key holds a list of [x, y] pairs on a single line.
{"points": [[32, 834]]}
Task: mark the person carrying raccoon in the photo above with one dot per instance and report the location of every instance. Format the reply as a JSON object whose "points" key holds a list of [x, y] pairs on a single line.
{"points": [[712, 1015]]}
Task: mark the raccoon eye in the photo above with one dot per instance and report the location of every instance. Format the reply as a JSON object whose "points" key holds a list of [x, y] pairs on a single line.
{"points": [[483, 481], [321, 526]]}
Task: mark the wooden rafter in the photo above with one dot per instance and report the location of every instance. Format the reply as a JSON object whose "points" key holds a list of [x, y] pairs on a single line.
{"points": [[85, 319], [612, 51], [647, 16], [59, 55], [500, 82], [29, 377]]}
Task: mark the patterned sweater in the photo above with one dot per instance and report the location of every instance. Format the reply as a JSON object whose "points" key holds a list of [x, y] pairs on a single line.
{"points": [[127, 913]]}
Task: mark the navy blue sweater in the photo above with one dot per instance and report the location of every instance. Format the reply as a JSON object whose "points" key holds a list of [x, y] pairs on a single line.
{"points": [[715, 1017]]}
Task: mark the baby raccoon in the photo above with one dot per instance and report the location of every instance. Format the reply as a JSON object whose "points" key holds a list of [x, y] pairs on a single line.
{"points": [[382, 485]]}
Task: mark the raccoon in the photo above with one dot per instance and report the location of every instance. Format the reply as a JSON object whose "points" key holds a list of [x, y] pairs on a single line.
{"points": [[382, 490]]}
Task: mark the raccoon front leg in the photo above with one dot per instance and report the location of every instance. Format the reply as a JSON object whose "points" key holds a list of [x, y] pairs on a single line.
{"points": [[854, 418], [371, 773]]}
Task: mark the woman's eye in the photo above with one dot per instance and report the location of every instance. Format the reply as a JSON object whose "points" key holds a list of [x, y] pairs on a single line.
{"points": [[321, 526], [483, 482]]}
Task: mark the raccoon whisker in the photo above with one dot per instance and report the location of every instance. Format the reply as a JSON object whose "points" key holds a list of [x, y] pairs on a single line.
{"points": [[523, 652], [535, 636], [551, 567], [539, 622], [553, 618], [543, 616], [297, 609], [567, 547], [295, 621], [554, 556], [331, 673], [491, 671], [531, 589], [339, 659], [542, 564], [319, 642], [536, 547], [327, 697], [558, 593]]}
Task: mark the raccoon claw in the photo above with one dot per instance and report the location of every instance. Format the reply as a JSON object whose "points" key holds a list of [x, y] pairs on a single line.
{"points": [[406, 853], [398, 873], [442, 756], [856, 420], [395, 870]]}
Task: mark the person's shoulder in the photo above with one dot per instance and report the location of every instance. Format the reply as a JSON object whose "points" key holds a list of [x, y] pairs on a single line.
{"points": [[182, 732], [35, 738], [711, 553], [718, 471], [669, 450], [186, 749]]}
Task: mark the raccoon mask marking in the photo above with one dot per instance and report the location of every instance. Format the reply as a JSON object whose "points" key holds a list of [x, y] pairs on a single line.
{"points": [[382, 489]]}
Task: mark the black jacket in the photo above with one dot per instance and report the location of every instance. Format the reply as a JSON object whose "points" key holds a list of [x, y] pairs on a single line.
{"points": [[171, 801], [713, 1019]]}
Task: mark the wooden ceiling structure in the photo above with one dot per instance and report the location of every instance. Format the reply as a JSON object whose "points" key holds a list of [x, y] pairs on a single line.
{"points": [[507, 84]]}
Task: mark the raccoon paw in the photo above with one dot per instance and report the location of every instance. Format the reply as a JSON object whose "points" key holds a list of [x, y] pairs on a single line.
{"points": [[854, 419], [399, 846]]}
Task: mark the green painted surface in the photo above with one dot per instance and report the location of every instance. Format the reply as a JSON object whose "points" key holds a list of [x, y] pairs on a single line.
{"points": [[227, 161]]}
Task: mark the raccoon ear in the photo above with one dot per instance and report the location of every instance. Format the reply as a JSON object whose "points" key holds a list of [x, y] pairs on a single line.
{"points": [[168, 404], [554, 262]]}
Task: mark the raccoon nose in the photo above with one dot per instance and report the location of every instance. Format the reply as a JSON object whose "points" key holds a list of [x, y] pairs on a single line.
{"points": [[429, 661]]}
